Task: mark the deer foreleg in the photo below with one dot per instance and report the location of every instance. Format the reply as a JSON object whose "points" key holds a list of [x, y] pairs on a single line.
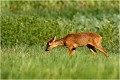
{"points": [[69, 52], [73, 51]]}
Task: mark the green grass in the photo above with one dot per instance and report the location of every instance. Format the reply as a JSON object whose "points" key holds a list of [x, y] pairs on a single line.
{"points": [[34, 62]]}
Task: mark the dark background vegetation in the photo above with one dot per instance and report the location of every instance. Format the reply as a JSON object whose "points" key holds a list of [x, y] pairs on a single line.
{"points": [[33, 22]]}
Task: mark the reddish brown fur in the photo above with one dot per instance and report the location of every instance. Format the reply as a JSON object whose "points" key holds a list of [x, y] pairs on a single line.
{"points": [[72, 41]]}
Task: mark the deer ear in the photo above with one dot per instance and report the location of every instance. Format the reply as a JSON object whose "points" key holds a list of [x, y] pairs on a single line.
{"points": [[49, 39], [54, 38]]}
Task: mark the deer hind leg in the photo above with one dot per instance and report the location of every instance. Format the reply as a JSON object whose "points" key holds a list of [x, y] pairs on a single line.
{"points": [[92, 49], [100, 48]]}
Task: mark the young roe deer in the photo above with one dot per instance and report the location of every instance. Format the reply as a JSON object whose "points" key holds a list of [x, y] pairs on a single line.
{"points": [[72, 41]]}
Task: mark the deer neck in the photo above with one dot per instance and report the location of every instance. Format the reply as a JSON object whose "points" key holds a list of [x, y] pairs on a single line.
{"points": [[59, 42]]}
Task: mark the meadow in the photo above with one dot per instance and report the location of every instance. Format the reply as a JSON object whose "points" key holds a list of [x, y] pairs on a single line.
{"points": [[35, 63], [27, 25]]}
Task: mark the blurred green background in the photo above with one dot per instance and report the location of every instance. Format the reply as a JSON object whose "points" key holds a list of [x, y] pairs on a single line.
{"points": [[33, 22], [27, 25]]}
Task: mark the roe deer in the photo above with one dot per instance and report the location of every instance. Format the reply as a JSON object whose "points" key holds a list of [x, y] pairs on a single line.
{"points": [[72, 41]]}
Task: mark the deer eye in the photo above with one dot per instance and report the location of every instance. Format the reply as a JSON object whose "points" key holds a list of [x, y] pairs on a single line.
{"points": [[49, 44]]}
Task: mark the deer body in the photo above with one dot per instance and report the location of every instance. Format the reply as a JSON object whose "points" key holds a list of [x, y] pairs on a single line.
{"points": [[72, 41]]}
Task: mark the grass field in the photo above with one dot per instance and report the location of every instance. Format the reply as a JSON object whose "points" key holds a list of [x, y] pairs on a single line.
{"points": [[34, 62], [27, 25]]}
